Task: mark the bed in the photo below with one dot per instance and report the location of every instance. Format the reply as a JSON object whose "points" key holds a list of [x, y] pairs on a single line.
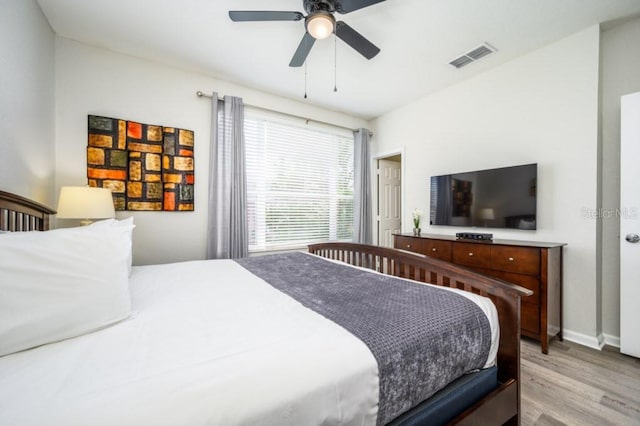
{"points": [[156, 365]]}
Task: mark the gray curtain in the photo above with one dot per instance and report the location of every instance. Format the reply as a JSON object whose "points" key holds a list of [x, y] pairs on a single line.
{"points": [[362, 210], [227, 236]]}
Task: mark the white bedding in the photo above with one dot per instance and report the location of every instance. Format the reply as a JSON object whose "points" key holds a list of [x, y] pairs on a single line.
{"points": [[207, 343]]}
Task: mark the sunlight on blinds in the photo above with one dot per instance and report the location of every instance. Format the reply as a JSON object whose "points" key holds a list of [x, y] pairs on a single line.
{"points": [[299, 183]]}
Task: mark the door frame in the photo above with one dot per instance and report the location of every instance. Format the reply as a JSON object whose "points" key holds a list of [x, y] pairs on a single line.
{"points": [[374, 171]]}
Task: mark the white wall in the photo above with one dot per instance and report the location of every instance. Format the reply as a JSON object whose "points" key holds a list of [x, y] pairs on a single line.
{"points": [[620, 64], [540, 108], [92, 80], [26, 101]]}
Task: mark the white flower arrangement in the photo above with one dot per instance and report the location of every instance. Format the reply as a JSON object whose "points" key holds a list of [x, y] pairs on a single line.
{"points": [[416, 218]]}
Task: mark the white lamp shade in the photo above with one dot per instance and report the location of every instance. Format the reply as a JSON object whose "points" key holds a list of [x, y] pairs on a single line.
{"points": [[85, 202], [320, 26], [487, 214]]}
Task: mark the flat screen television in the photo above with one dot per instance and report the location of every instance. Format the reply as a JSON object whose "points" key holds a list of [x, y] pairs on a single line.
{"points": [[496, 198]]}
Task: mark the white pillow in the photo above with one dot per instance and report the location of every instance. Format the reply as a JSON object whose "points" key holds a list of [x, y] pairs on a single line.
{"points": [[527, 224], [127, 226], [62, 283]]}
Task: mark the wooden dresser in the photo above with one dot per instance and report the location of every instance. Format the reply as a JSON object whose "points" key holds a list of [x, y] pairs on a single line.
{"points": [[531, 264]]}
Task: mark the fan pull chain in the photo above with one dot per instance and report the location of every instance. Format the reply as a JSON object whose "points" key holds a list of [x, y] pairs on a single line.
{"points": [[335, 62], [305, 79]]}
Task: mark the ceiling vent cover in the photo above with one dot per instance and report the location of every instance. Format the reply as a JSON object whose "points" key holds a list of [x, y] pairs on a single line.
{"points": [[473, 55]]}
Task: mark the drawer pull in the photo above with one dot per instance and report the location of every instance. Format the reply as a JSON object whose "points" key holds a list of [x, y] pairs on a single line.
{"points": [[471, 254], [511, 259], [434, 249], [408, 245]]}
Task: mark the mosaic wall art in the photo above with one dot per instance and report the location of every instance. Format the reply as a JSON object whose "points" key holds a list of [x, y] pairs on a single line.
{"points": [[147, 167]]}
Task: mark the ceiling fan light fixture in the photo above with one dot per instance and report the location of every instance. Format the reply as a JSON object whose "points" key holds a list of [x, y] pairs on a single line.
{"points": [[320, 25]]}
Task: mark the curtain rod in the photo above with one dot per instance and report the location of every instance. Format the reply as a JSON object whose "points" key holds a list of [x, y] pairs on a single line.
{"points": [[201, 94]]}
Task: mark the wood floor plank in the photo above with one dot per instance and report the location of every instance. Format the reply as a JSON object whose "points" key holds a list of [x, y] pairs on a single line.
{"points": [[628, 406], [546, 420], [603, 370], [626, 385], [575, 385]]}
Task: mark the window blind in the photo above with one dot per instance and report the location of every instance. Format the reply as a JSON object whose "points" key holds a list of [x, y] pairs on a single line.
{"points": [[299, 182]]}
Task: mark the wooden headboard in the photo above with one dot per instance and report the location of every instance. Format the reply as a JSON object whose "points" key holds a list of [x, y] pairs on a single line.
{"points": [[21, 214]]}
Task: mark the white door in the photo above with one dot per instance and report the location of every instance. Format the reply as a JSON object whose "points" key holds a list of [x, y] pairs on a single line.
{"points": [[630, 225], [389, 190]]}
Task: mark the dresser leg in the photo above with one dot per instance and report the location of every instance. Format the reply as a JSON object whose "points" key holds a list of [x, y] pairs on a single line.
{"points": [[544, 343]]}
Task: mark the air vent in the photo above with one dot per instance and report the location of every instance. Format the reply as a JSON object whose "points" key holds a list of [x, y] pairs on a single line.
{"points": [[473, 55]]}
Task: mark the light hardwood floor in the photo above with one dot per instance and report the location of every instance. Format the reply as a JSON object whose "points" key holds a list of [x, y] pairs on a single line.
{"points": [[576, 385]]}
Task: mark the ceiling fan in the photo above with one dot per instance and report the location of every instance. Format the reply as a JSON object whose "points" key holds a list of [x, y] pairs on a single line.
{"points": [[319, 24]]}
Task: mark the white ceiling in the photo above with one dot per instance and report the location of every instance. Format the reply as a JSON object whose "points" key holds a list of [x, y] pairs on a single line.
{"points": [[417, 39]]}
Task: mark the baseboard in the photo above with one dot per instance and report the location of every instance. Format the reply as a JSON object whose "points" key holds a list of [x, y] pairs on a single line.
{"points": [[590, 341], [584, 340], [611, 340]]}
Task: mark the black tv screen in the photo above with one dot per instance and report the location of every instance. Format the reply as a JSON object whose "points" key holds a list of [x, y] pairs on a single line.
{"points": [[494, 198]]}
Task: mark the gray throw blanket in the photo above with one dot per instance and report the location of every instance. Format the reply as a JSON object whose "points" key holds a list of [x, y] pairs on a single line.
{"points": [[421, 337]]}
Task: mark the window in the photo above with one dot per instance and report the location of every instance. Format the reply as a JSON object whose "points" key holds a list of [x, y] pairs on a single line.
{"points": [[299, 182]]}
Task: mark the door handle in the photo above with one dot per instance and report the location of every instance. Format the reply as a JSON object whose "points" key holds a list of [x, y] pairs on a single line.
{"points": [[632, 238]]}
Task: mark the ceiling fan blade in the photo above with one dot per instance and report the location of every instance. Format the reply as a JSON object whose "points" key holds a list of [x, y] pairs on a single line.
{"points": [[302, 51], [263, 15], [356, 40], [346, 6]]}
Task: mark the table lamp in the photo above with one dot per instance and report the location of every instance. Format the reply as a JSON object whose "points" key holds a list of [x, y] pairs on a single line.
{"points": [[86, 203], [487, 214]]}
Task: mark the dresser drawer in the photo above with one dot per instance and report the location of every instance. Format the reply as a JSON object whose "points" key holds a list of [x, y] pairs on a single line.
{"points": [[411, 244], [438, 249], [523, 260], [527, 281], [470, 254]]}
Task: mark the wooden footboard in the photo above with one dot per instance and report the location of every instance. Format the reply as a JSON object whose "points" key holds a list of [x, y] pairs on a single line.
{"points": [[503, 405]]}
